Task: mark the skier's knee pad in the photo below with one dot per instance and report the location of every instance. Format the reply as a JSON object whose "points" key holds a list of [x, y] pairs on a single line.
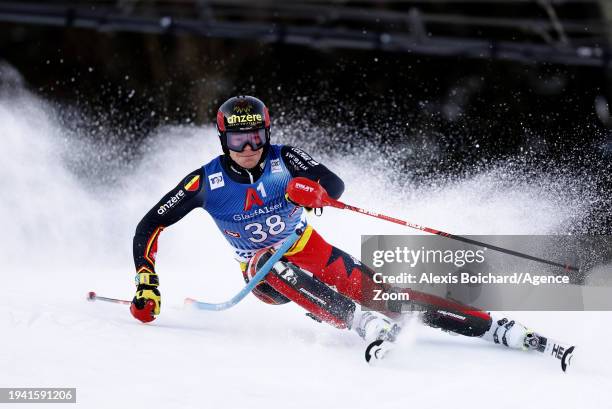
{"points": [[263, 290]]}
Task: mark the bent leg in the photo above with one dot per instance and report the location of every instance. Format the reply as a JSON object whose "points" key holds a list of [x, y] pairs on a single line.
{"points": [[322, 302], [355, 280], [292, 283], [315, 267], [338, 269]]}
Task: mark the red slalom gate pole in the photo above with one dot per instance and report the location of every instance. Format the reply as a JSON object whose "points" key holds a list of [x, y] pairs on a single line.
{"points": [[311, 194]]}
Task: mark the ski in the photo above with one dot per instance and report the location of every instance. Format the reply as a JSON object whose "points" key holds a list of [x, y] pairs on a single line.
{"points": [[556, 350], [379, 349]]}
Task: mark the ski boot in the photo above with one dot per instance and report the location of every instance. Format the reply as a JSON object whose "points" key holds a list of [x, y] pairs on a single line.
{"points": [[378, 331], [513, 335]]}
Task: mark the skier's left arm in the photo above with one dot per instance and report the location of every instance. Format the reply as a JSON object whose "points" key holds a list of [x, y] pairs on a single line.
{"points": [[301, 164]]}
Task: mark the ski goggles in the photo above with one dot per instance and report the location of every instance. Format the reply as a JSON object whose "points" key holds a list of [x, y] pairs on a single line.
{"points": [[237, 141]]}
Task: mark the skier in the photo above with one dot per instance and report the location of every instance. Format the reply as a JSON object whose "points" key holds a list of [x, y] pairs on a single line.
{"points": [[244, 190]]}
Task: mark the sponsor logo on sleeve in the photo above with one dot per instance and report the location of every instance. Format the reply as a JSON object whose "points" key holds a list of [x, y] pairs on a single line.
{"points": [[216, 180], [192, 183], [173, 201], [276, 165], [306, 157]]}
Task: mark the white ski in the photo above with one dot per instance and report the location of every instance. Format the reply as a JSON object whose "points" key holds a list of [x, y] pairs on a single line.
{"points": [[378, 350], [557, 350]]}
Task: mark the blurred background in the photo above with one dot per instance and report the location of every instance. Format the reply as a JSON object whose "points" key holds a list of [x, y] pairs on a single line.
{"points": [[436, 87]]}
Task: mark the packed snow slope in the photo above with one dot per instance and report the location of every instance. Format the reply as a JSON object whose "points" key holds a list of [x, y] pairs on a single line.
{"points": [[67, 230]]}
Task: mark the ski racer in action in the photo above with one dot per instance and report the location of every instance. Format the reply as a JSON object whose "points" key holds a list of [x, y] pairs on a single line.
{"points": [[244, 191]]}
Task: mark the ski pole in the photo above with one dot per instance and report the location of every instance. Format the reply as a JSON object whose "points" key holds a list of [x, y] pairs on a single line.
{"points": [[92, 296], [311, 194], [261, 274]]}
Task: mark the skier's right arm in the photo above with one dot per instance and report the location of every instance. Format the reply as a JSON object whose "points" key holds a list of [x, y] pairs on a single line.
{"points": [[189, 194]]}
